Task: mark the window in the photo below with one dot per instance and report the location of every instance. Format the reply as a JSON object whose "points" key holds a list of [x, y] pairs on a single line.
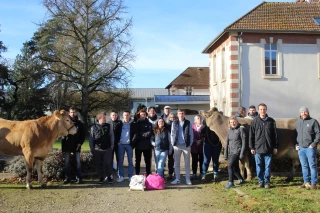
{"points": [[270, 55], [223, 64], [214, 70], [188, 90], [317, 20]]}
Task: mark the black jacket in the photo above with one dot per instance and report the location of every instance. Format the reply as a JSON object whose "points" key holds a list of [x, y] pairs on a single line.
{"points": [[209, 135], [236, 142], [263, 135], [70, 142], [308, 132], [144, 133], [116, 127], [101, 137]]}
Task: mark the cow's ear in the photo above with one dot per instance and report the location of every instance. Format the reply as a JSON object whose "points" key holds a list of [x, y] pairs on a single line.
{"points": [[57, 114]]}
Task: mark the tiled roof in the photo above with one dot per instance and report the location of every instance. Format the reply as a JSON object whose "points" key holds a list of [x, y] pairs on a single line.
{"points": [[192, 76], [147, 92], [285, 17], [280, 16]]}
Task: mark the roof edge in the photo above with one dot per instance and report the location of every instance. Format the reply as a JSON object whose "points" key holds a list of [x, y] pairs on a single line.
{"points": [[226, 29]]}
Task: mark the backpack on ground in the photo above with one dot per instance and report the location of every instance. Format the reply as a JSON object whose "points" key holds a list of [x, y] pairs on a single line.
{"points": [[155, 182], [137, 183]]}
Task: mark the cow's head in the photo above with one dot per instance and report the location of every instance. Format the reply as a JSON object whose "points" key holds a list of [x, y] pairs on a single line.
{"points": [[66, 125], [216, 122]]}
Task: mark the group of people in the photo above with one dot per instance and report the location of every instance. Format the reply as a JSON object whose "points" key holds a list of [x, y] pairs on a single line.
{"points": [[165, 137], [263, 143], [170, 135]]}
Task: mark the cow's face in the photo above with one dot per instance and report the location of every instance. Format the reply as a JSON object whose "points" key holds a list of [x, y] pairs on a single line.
{"points": [[66, 125]]}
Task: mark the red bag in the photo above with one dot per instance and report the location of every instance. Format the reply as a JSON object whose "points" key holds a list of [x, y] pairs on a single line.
{"points": [[155, 182]]}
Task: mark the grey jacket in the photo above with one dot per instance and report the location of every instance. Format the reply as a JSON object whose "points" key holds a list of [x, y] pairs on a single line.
{"points": [[308, 132], [236, 142]]}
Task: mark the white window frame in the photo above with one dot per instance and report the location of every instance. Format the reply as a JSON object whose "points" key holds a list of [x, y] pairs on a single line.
{"points": [[278, 58], [223, 64], [214, 69], [188, 91]]}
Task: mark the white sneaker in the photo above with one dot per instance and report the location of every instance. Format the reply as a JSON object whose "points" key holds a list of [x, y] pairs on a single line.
{"points": [[176, 181], [120, 179], [188, 182]]}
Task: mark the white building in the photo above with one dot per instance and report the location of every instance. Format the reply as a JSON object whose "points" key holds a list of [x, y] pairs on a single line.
{"points": [[270, 55]]}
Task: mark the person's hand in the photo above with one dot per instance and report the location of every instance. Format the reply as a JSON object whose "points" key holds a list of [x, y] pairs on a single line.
{"points": [[198, 142], [170, 153], [275, 151], [311, 146], [297, 148], [153, 143], [253, 151], [78, 146]]}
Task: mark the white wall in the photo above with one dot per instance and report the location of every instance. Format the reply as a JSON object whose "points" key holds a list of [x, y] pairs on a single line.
{"points": [[298, 86], [220, 90]]}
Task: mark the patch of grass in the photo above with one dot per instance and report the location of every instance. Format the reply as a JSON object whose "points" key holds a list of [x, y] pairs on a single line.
{"points": [[85, 146], [281, 197]]}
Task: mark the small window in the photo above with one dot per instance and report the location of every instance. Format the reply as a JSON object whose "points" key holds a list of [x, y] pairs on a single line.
{"points": [[214, 69], [317, 20], [270, 55], [188, 90], [223, 64]]}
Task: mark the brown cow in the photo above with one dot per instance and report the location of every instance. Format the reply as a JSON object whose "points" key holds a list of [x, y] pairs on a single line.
{"points": [[34, 138], [285, 130]]}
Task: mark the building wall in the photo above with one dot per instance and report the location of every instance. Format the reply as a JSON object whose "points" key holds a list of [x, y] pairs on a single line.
{"points": [[135, 103], [196, 90], [298, 85], [298, 62], [224, 88]]}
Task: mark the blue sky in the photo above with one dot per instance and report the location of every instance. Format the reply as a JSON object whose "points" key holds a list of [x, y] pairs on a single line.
{"points": [[168, 35]]}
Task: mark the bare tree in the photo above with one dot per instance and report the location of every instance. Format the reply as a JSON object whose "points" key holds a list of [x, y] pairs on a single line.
{"points": [[87, 44]]}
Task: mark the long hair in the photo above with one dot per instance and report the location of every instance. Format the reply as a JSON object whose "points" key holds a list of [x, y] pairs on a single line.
{"points": [[156, 129], [170, 115]]}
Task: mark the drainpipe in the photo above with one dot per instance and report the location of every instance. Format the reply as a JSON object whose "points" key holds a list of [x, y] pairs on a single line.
{"points": [[240, 66]]}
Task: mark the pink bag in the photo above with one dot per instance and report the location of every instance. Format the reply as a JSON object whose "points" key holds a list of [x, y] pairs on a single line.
{"points": [[155, 182]]}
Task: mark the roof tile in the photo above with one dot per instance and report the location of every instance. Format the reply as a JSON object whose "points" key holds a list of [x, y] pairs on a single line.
{"points": [[280, 16], [192, 76]]}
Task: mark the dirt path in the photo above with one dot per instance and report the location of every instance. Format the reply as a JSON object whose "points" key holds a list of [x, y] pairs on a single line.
{"points": [[91, 197]]}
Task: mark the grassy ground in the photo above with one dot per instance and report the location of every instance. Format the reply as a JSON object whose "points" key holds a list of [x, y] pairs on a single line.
{"points": [[85, 145], [281, 197]]}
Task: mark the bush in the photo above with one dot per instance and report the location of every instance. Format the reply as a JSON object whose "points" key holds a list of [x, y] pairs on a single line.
{"points": [[53, 165]]}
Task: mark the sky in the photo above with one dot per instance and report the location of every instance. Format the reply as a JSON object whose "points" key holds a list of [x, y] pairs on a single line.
{"points": [[168, 36]]}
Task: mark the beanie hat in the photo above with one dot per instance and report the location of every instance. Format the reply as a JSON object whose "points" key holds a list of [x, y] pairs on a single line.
{"points": [[304, 109]]}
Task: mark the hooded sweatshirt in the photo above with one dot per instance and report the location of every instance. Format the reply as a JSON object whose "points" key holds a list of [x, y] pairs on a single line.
{"points": [[125, 132]]}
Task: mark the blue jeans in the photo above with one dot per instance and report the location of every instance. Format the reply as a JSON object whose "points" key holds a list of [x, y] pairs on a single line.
{"points": [[263, 167], [308, 160], [160, 159], [211, 151], [67, 167], [122, 148]]}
